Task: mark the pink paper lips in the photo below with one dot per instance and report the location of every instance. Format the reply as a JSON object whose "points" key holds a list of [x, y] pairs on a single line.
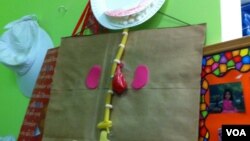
{"points": [[143, 4]]}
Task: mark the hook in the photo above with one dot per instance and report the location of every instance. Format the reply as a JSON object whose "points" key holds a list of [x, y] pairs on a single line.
{"points": [[62, 10]]}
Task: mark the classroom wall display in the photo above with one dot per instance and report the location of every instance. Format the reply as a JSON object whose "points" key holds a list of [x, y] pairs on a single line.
{"points": [[224, 87], [68, 13]]}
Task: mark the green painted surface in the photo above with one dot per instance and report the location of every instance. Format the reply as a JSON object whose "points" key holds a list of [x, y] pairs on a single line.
{"points": [[60, 24]]}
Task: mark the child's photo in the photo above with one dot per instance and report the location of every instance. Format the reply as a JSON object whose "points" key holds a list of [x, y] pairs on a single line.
{"points": [[226, 98]]}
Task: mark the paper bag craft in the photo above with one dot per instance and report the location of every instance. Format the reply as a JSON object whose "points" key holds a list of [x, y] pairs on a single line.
{"points": [[165, 107]]}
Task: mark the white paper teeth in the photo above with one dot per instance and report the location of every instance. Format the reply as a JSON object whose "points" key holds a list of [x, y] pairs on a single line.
{"points": [[125, 22], [139, 17], [152, 4], [131, 19], [133, 15], [110, 13]]}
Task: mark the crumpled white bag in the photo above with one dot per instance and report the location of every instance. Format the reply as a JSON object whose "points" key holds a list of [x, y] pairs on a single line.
{"points": [[23, 48]]}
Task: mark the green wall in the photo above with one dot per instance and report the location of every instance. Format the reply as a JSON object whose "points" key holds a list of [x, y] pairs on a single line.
{"points": [[59, 24]]}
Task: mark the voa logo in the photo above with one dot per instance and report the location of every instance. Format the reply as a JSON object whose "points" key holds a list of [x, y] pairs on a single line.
{"points": [[236, 132]]}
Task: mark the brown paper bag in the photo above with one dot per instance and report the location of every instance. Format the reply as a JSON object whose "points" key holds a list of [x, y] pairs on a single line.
{"points": [[167, 108]]}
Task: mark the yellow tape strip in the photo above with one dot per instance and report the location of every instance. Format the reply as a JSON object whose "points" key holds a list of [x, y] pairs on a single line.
{"points": [[106, 124]]}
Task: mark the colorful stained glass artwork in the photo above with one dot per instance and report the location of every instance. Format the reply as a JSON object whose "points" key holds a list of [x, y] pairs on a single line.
{"points": [[245, 68], [202, 99], [208, 69], [223, 60], [205, 85], [228, 55], [246, 60], [236, 53], [203, 131], [207, 135], [210, 61], [208, 57], [217, 72], [202, 123], [203, 91], [204, 113], [230, 64], [237, 59], [203, 73], [216, 58], [238, 66], [218, 65], [204, 61], [223, 68], [203, 106], [215, 66], [201, 139], [201, 117], [244, 52]]}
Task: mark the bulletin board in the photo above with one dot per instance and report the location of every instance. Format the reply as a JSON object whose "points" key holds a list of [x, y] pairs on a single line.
{"points": [[60, 17], [225, 71]]}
